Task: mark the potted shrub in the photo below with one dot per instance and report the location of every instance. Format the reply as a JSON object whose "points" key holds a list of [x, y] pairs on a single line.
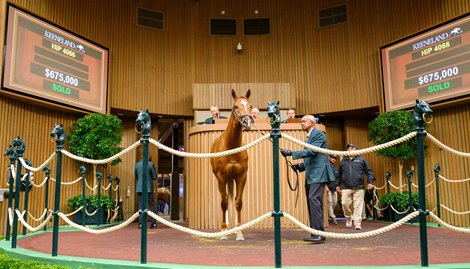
{"points": [[96, 136], [401, 202], [91, 204], [389, 126]]}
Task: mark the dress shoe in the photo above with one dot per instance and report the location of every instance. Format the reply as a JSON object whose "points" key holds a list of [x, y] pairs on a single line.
{"points": [[153, 226], [140, 225], [334, 222], [316, 239]]}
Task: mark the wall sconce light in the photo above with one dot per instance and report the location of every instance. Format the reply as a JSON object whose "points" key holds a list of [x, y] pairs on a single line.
{"points": [[239, 47]]}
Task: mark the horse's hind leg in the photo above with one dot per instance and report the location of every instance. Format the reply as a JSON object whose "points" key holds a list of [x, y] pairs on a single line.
{"points": [[224, 206], [239, 203]]}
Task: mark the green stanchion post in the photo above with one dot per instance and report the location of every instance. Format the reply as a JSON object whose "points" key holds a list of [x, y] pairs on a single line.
{"points": [[144, 125], [275, 121], [20, 148], [12, 153], [110, 179], [82, 170], [388, 175], [437, 170], [26, 194], [60, 141], [409, 175], [47, 172], [420, 112], [118, 198], [99, 175]]}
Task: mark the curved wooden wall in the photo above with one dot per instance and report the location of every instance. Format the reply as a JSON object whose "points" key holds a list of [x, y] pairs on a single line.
{"points": [[203, 196]]}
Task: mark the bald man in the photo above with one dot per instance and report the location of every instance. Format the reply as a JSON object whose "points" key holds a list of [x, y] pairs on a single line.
{"points": [[255, 113], [318, 173]]}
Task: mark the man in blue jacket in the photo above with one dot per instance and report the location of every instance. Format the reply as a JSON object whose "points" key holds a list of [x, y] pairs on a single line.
{"points": [[350, 183], [318, 174]]}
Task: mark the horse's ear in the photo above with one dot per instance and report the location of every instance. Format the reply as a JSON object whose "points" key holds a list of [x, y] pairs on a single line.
{"points": [[234, 95], [147, 110], [278, 102], [417, 101], [248, 93], [269, 103]]}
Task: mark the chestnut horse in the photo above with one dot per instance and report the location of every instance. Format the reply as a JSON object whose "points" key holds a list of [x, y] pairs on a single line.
{"points": [[232, 169]]}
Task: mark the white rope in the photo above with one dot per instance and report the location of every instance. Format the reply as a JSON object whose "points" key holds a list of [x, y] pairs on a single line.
{"points": [[98, 231], [116, 212], [401, 213], [72, 182], [116, 189], [206, 234], [395, 187], [39, 185], [103, 161], [453, 228], [74, 212], [380, 188], [13, 171], [351, 152], [35, 169], [355, 235], [455, 212], [40, 218], [29, 227], [209, 155], [441, 145], [89, 187], [454, 181], [427, 185], [106, 188], [91, 214], [10, 216]]}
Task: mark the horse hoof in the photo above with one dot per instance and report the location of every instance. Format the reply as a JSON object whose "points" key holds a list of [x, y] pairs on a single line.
{"points": [[223, 237], [240, 238]]}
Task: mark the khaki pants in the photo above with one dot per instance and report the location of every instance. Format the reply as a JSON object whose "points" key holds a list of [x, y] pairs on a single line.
{"points": [[353, 202], [332, 202]]}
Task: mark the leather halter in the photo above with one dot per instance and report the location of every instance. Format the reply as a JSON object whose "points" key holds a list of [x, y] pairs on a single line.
{"points": [[241, 117]]}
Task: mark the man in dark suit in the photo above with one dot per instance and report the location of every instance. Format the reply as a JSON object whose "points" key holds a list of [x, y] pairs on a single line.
{"points": [[215, 115], [151, 175], [318, 174]]}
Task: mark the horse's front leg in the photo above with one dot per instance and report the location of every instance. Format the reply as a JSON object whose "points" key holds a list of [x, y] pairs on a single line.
{"points": [[239, 203], [223, 206]]}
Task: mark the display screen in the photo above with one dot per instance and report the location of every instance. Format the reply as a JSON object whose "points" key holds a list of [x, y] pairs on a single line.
{"points": [[46, 62], [433, 65]]}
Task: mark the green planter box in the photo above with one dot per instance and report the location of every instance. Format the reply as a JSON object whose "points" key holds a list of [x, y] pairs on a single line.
{"points": [[99, 217]]}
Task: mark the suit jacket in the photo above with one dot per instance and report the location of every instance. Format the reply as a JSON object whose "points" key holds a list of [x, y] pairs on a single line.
{"points": [[316, 165], [211, 119], [151, 175]]}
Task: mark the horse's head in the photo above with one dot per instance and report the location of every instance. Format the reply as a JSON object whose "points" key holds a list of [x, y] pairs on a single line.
{"points": [[242, 110], [19, 144], [274, 113], [12, 153], [422, 111], [143, 123], [58, 132]]}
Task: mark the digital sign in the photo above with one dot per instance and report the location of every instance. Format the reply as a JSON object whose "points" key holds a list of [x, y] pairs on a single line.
{"points": [[46, 62], [433, 65]]}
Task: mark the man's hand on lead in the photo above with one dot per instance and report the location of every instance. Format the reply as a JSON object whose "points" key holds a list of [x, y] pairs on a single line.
{"points": [[286, 152]]}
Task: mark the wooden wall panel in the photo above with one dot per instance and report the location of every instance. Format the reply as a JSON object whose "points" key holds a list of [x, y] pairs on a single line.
{"points": [[206, 95]]}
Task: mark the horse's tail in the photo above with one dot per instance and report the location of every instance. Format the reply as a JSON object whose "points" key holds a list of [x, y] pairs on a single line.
{"points": [[230, 184]]}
